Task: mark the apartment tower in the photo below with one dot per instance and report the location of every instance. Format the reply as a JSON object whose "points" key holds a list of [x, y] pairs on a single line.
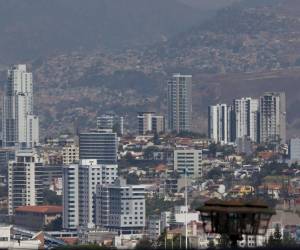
{"points": [[220, 129], [20, 126], [180, 103], [273, 117], [246, 116]]}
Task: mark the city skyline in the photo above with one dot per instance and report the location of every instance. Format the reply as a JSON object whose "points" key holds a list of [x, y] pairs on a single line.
{"points": [[149, 124]]}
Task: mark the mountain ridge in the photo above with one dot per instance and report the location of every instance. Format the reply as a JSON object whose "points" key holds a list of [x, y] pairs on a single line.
{"points": [[236, 49]]}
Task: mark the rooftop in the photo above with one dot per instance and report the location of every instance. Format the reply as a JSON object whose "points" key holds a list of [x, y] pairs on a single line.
{"points": [[49, 209]]}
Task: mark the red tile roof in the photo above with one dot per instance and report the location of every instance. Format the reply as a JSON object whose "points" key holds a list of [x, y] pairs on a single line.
{"points": [[40, 209]]}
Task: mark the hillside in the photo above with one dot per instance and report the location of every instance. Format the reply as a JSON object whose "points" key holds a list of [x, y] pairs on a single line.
{"points": [[31, 29], [242, 50], [208, 5]]}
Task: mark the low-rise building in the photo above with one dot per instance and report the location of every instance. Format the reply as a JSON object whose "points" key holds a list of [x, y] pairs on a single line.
{"points": [[188, 161], [154, 227], [70, 154], [100, 237], [148, 122], [36, 217], [8, 241]]}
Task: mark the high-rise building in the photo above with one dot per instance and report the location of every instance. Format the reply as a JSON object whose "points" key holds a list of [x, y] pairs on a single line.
{"points": [[70, 197], [111, 122], [246, 116], [100, 145], [120, 207], [180, 103], [79, 188], [188, 161], [25, 180], [148, 122], [20, 126], [273, 117], [220, 123]]}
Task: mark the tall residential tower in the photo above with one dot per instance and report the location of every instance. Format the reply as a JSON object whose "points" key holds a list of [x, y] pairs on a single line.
{"points": [[180, 103], [273, 117], [220, 128], [20, 126], [246, 114]]}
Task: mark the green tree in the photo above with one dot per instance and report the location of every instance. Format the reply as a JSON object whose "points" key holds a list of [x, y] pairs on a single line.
{"points": [[287, 240], [192, 135], [196, 203], [277, 233], [213, 149], [275, 240], [162, 239], [156, 139], [55, 225], [132, 179], [116, 128], [144, 244], [156, 205], [148, 152], [215, 173], [228, 150], [51, 198], [224, 241]]}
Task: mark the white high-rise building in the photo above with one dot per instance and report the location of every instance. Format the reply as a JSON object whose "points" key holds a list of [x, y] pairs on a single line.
{"points": [[25, 180], [70, 197], [20, 126], [79, 189], [121, 207], [220, 123], [246, 118], [188, 161], [180, 103], [273, 117]]}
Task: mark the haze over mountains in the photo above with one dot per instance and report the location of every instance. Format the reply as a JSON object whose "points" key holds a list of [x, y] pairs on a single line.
{"points": [[31, 28], [94, 56]]}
